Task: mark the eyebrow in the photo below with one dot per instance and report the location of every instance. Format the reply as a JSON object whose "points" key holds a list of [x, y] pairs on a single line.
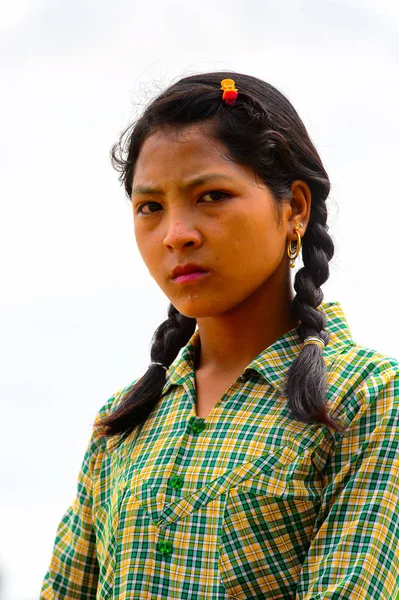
{"points": [[139, 189]]}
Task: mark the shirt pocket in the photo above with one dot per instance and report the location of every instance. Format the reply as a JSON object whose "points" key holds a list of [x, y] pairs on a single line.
{"points": [[267, 527], [106, 524]]}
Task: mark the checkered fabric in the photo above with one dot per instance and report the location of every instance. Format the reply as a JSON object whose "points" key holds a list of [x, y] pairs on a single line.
{"points": [[248, 503]]}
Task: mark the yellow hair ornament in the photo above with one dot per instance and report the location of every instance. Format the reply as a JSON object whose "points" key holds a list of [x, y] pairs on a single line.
{"points": [[230, 91]]}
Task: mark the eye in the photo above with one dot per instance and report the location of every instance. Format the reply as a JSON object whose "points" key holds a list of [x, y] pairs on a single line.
{"points": [[219, 196], [152, 208]]}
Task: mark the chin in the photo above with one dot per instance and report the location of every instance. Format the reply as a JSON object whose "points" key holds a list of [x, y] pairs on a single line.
{"points": [[193, 312], [196, 309]]}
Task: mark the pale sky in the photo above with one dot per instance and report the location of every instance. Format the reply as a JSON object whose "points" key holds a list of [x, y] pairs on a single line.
{"points": [[78, 306]]}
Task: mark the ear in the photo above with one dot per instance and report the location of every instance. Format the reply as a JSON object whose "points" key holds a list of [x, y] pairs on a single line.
{"points": [[300, 204]]}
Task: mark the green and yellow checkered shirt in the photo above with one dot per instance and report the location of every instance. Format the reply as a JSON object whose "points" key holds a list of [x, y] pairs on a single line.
{"points": [[247, 503]]}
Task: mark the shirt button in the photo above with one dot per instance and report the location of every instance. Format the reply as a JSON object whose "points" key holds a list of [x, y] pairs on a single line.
{"points": [[165, 548], [197, 424], [176, 482]]}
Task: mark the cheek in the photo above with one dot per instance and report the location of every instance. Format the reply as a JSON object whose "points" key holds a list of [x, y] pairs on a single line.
{"points": [[256, 242], [147, 245]]}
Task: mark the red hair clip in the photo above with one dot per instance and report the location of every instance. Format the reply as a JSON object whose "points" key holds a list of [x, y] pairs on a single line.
{"points": [[230, 91]]}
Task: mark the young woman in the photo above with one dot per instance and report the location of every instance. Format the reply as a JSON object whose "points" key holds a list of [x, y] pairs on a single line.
{"points": [[261, 461]]}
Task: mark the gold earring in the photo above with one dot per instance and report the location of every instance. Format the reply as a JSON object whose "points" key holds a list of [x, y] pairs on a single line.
{"points": [[292, 254]]}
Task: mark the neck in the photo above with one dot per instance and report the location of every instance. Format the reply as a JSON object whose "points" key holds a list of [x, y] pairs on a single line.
{"points": [[229, 342]]}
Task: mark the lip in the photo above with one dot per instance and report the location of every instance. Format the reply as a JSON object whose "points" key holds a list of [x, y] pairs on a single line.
{"points": [[182, 272], [188, 269], [190, 276]]}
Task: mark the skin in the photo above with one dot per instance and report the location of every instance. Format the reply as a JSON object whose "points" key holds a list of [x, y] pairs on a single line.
{"points": [[244, 303]]}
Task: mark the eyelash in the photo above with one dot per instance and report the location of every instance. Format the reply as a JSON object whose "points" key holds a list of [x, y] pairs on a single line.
{"points": [[140, 207]]}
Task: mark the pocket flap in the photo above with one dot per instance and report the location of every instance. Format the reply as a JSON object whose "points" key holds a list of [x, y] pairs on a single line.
{"points": [[252, 471]]}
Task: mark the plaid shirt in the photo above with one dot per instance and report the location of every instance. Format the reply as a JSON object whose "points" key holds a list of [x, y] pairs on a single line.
{"points": [[249, 502]]}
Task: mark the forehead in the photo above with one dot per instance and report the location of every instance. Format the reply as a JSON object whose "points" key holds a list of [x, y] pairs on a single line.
{"points": [[170, 153]]}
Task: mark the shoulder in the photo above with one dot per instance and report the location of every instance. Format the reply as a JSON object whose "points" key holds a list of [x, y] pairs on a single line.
{"points": [[97, 442], [362, 381], [357, 363], [114, 401], [100, 448]]}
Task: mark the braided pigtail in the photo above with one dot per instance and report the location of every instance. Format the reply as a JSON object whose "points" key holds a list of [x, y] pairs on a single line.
{"points": [[306, 382], [168, 339]]}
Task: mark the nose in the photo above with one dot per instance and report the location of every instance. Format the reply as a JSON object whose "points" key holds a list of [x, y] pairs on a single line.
{"points": [[180, 234]]}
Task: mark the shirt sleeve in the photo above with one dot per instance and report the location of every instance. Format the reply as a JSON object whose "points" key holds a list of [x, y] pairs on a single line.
{"points": [[73, 570], [354, 553]]}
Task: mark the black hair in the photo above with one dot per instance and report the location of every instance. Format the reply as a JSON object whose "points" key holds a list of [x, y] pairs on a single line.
{"points": [[263, 130]]}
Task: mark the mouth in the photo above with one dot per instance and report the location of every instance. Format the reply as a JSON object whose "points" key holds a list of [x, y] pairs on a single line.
{"points": [[193, 276], [188, 272]]}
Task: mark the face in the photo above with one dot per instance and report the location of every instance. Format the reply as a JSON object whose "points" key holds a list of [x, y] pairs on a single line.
{"points": [[192, 205]]}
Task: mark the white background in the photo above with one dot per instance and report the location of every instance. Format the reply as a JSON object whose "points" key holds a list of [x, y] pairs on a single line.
{"points": [[78, 307]]}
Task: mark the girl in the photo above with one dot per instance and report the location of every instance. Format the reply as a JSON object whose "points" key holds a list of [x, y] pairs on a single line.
{"points": [[260, 461]]}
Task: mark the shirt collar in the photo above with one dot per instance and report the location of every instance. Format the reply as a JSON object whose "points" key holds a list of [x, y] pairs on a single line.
{"points": [[272, 364]]}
